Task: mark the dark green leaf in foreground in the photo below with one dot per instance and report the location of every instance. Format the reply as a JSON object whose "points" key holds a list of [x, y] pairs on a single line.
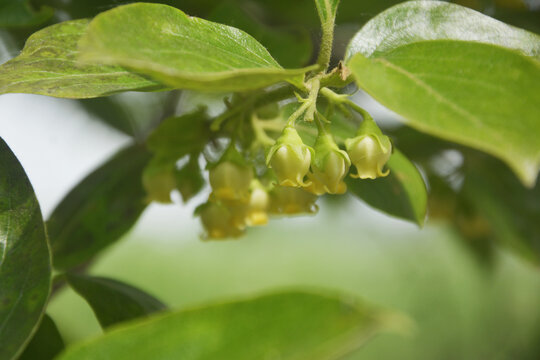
{"points": [[25, 261], [48, 66], [402, 193], [292, 325], [19, 13], [99, 210], [113, 301], [46, 343], [181, 51], [480, 95], [414, 21]]}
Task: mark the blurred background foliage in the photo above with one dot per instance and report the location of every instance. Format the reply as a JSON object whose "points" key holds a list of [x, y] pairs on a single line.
{"points": [[470, 297]]}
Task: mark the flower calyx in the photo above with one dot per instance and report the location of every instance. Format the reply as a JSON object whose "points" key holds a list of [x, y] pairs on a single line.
{"points": [[369, 151], [330, 165], [290, 158]]}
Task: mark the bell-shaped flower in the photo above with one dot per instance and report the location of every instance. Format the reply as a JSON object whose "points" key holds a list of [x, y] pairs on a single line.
{"points": [[231, 177], [290, 158], [218, 221], [257, 208], [290, 201], [369, 151], [330, 164]]}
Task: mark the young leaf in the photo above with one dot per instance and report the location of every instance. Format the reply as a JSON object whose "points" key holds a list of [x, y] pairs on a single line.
{"points": [[181, 51], [189, 179], [180, 135], [475, 94], [402, 193], [48, 66], [99, 210], [46, 343], [113, 301], [289, 325], [414, 21], [327, 10], [19, 13], [25, 260]]}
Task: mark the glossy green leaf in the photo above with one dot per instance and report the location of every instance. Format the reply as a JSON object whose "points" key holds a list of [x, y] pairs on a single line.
{"points": [[402, 193], [479, 95], [48, 66], [327, 10], [113, 301], [181, 51], [46, 343], [19, 13], [414, 21], [99, 210], [291, 325], [25, 260]]}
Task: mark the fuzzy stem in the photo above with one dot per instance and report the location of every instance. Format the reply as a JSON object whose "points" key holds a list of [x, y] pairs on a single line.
{"points": [[327, 40]]}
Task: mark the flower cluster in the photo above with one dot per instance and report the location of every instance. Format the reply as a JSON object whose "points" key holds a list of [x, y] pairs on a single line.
{"points": [[294, 176], [322, 169], [239, 200]]}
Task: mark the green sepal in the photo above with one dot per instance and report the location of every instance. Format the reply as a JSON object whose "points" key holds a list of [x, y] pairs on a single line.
{"points": [[369, 127], [324, 145], [290, 138]]}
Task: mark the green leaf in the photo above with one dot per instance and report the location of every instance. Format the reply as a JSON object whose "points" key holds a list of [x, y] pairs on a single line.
{"points": [[402, 193], [99, 210], [327, 10], [176, 137], [180, 135], [46, 343], [414, 21], [181, 51], [475, 94], [292, 325], [509, 212], [25, 260], [113, 301], [48, 66], [189, 179], [19, 13]]}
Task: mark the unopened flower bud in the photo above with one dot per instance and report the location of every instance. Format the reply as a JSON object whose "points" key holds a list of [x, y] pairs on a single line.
{"points": [[218, 221], [257, 209], [330, 164], [289, 201], [290, 158], [230, 178], [369, 151]]}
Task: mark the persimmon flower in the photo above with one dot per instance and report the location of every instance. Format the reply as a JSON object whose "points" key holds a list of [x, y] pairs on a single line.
{"points": [[290, 158], [369, 151]]}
